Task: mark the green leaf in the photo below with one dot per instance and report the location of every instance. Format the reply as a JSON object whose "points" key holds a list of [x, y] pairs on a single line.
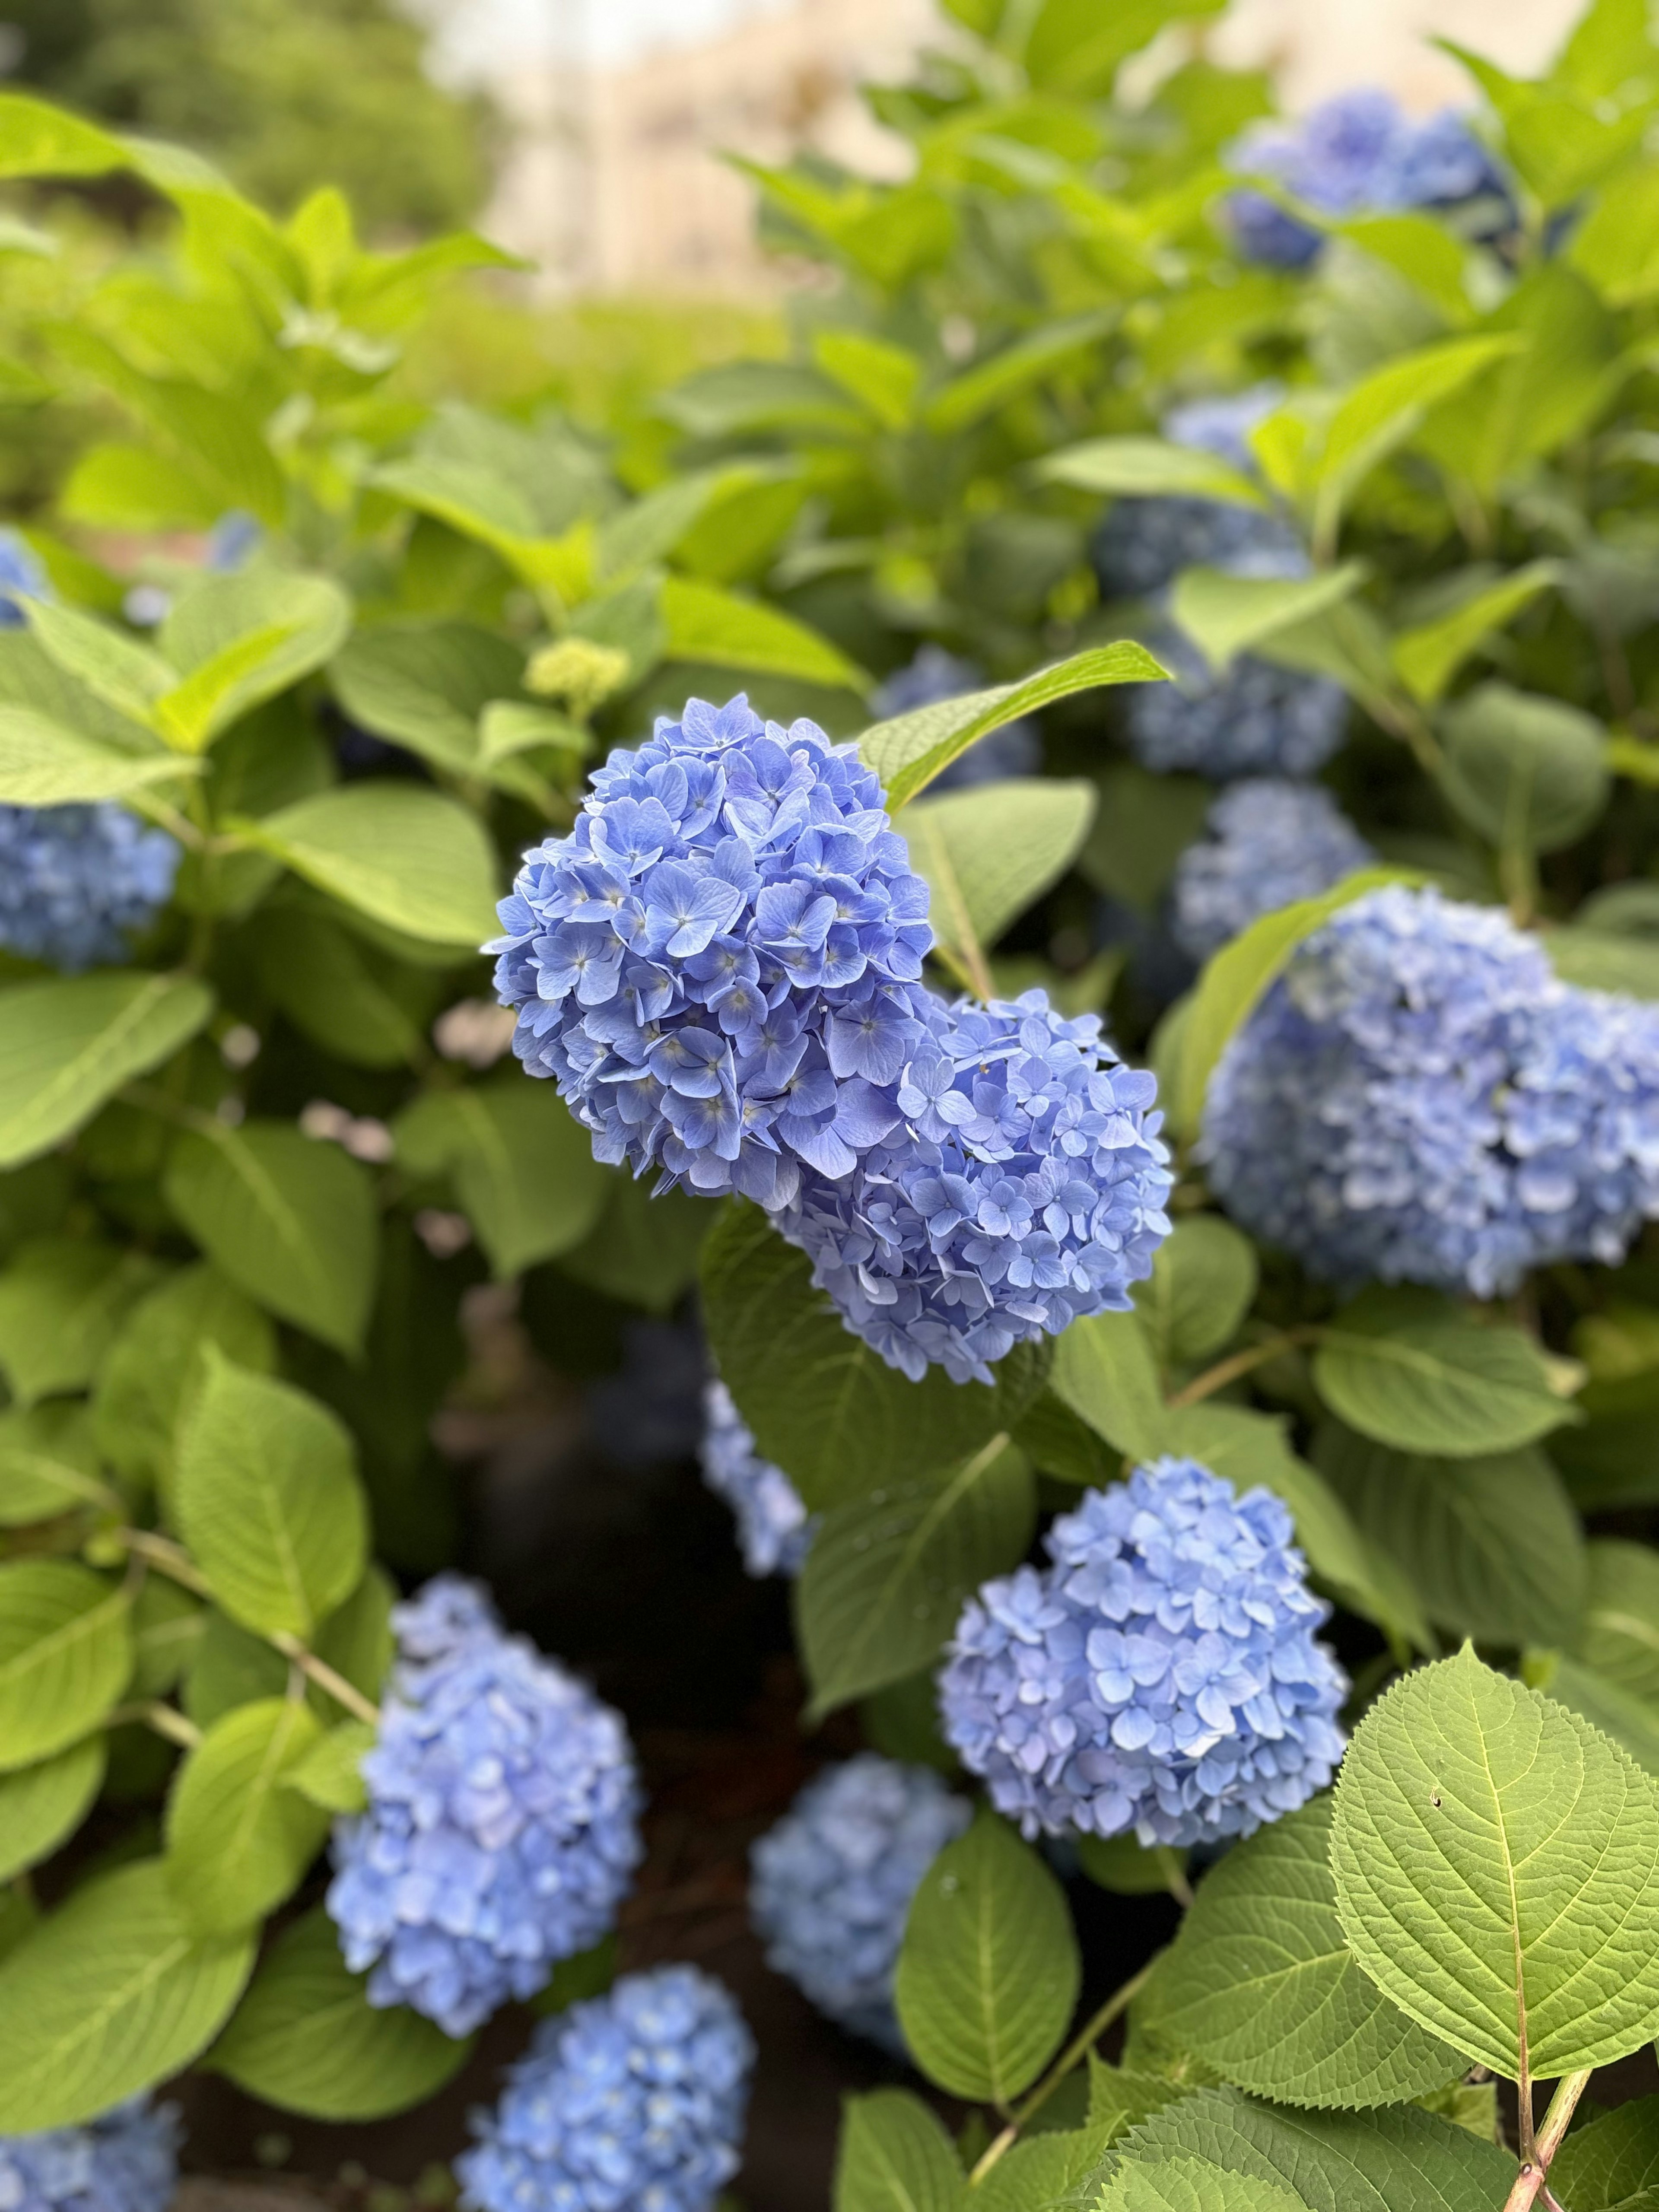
{"points": [[895, 2156], [1054, 2170], [523, 1166], [352, 1001], [115, 667], [1612, 2158], [1104, 1371], [65, 1048], [238, 1841], [989, 853], [402, 854], [330, 1773], [425, 685], [1620, 1633], [167, 1626], [887, 1575], [1059, 1442], [230, 1666], [291, 1220], [42, 763], [1202, 1285], [988, 1971], [1148, 468], [642, 1250], [1430, 654], [1127, 1866], [1629, 1720], [66, 1655], [356, 1640], [40, 1806], [39, 139], [991, 383], [1495, 1856], [822, 1405], [48, 1465], [1226, 614], [269, 1502], [909, 751], [62, 1301], [238, 641], [1490, 1544], [111, 1994], [707, 624], [882, 377], [1410, 1369], [155, 1368], [1192, 2185], [306, 2039], [1073, 47], [1530, 773], [1617, 245], [1261, 1986]]}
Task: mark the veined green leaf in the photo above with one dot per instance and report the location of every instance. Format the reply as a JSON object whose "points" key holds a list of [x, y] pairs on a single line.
{"points": [[1226, 615], [43, 763], [523, 1168], [66, 1047], [989, 853], [41, 1805], [706, 623], [66, 1655], [895, 2156], [1148, 468], [1430, 654], [239, 1840], [1410, 1371], [404, 855]]}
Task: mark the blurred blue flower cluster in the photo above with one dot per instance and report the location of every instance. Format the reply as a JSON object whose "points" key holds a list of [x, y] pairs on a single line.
{"points": [[1143, 544], [74, 879], [1250, 718], [934, 675], [1359, 154], [720, 965], [1270, 843], [631, 2102], [502, 1820], [831, 1884], [21, 577], [125, 2161], [1418, 1099], [1024, 1185], [774, 1528], [1161, 1675]]}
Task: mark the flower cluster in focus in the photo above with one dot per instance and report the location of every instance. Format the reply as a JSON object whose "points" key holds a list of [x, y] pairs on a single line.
{"points": [[74, 879], [127, 2160], [631, 2102], [1161, 1675], [502, 1820], [774, 1528], [1270, 843], [831, 1884], [935, 675]]}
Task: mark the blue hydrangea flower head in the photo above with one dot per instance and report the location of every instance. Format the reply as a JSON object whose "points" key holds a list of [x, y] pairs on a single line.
{"points": [[934, 675], [774, 1528], [719, 966], [631, 2102], [831, 1885], [125, 2161], [1221, 422], [1250, 718], [1024, 1186], [21, 577], [1270, 843], [1161, 1675], [1418, 1099], [502, 1821], [74, 880]]}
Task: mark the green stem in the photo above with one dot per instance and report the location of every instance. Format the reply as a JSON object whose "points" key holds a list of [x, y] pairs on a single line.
{"points": [[1077, 2049], [1241, 1363], [166, 1720], [1532, 2183]]}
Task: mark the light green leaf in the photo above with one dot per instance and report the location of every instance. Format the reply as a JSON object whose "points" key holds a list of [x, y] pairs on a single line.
{"points": [[1202, 1284], [1530, 773], [1073, 47], [231, 1667], [42, 763], [1607, 2164], [1412, 1371], [1620, 1634], [39, 139], [909, 751], [240, 640], [882, 377], [115, 667], [1192, 2185], [40, 1806], [1059, 1442], [62, 1301], [895, 2156], [291, 1220], [1429, 655], [1148, 468], [991, 383], [307, 2039], [1617, 245], [238, 1842], [1224, 614], [1602, 960], [523, 1168], [989, 853], [1104, 1371], [988, 1971], [1261, 1986], [887, 1575], [155, 1367], [1497, 1864], [66, 1655], [329, 1774], [269, 1502], [111, 1994], [48, 1465], [404, 855], [65, 1048], [1054, 2170], [716, 627], [167, 1626], [424, 685]]}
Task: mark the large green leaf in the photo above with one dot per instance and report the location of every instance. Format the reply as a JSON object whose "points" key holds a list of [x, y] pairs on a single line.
{"points": [[990, 383], [895, 2156], [306, 2039], [43, 763], [1429, 654], [1192, 2185], [48, 1464], [66, 1655], [988, 1971], [1202, 1284], [1412, 1371], [1530, 773], [1618, 1635], [1149, 468], [238, 1840], [1226, 614], [709, 624], [523, 1167], [111, 1994], [65, 1048], [400, 852], [62, 1300], [1104, 1371], [989, 853], [238, 639], [424, 685], [887, 1575], [1497, 1864], [41, 1805], [155, 1367]]}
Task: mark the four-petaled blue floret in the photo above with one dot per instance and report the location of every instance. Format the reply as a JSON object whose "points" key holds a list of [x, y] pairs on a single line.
{"points": [[631, 2102], [1024, 1185], [502, 1821], [775, 1529], [127, 2160], [1161, 1675], [1358, 153], [719, 965], [1270, 843], [1418, 1099], [831, 1884], [935, 675], [21, 577], [74, 879]]}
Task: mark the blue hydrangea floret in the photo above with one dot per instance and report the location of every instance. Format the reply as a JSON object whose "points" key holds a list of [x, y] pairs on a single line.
{"points": [[831, 1884], [1270, 843], [934, 675], [1160, 1675], [502, 1821], [631, 2102], [127, 2160], [775, 1529], [719, 966], [76, 880]]}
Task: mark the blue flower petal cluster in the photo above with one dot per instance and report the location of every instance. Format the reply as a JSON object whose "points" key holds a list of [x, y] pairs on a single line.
{"points": [[1358, 153], [631, 2102], [502, 1820], [1270, 843], [74, 879], [1221, 422], [21, 577], [719, 966], [127, 2160], [1418, 1099], [934, 675], [1252, 719], [1024, 1186], [774, 1528], [831, 1884], [1161, 1675]]}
